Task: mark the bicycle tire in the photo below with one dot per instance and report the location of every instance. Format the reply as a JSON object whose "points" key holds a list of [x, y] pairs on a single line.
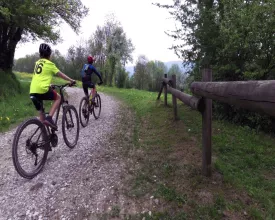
{"points": [[84, 101], [98, 102], [16, 163], [70, 109]]}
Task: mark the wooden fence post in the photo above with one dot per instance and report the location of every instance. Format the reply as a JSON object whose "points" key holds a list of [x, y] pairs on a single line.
{"points": [[165, 91], [174, 80], [207, 128], [160, 91]]}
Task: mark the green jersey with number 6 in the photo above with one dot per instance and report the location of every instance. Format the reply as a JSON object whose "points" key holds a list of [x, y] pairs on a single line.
{"points": [[42, 76]]}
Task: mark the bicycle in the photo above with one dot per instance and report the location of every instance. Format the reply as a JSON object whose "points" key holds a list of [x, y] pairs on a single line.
{"points": [[88, 107], [44, 137]]}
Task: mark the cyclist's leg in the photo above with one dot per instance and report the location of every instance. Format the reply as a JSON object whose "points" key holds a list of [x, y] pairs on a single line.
{"points": [[92, 86], [51, 95], [85, 89], [38, 103], [55, 105]]}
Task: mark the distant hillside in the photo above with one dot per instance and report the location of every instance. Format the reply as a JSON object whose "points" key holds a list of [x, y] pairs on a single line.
{"points": [[130, 69]]}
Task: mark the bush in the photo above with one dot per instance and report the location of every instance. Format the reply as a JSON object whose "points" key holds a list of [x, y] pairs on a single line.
{"points": [[243, 117]]}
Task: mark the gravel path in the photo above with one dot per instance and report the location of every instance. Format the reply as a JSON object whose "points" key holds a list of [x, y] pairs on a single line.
{"points": [[77, 183]]}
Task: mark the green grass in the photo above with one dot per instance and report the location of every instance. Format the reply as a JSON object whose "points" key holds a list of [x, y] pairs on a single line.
{"points": [[244, 160], [17, 106]]}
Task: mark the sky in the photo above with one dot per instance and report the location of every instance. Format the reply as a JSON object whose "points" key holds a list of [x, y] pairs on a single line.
{"points": [[145, 24]]}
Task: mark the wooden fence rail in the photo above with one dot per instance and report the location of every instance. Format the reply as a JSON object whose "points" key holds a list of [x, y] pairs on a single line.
{"points": [[253, 95]]}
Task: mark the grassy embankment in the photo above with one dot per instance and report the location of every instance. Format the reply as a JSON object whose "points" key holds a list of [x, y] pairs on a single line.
{"points": [[243, 181]]}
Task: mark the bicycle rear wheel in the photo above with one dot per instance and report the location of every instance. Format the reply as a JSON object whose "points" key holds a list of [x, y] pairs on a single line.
{"points": [[36, 142], [70, 126], [97, 106], [84, 113]]}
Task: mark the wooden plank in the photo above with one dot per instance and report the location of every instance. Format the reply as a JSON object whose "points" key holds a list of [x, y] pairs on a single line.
{"points": [[175, 107], [165, 91], [207, 128], [252, 95], [192, 101]]}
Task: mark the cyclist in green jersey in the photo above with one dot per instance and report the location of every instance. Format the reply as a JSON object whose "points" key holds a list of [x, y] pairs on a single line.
{"points": [[40, 85]]}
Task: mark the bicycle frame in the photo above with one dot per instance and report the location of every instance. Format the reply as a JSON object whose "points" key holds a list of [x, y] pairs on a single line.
{"points": [[57, 114], [91, 93], [61, 103]]}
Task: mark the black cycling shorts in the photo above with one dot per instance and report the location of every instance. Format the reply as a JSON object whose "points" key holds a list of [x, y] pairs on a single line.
{"points": [[86, 86], [37, 99]]}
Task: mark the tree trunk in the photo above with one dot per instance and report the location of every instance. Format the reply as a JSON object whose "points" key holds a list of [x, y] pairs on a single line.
{"points": [[9, 37]]}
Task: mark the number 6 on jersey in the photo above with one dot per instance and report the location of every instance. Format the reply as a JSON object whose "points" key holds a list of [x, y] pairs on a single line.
{"points": [[38, 68]]}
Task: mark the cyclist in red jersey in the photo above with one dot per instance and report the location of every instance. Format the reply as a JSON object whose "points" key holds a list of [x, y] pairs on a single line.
{"points": [[86, 74]]}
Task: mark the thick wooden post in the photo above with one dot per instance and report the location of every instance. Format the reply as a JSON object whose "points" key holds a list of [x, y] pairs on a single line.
{"points": [[175, 107], [160, 91], [207, 128], [165, 91]]}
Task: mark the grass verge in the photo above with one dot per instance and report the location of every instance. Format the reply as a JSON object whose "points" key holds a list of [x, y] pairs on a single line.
{"points": [[243, 182]]}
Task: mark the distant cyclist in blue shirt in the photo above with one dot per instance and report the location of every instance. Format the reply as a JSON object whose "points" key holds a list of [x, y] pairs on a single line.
{"points": [[86, 74]]}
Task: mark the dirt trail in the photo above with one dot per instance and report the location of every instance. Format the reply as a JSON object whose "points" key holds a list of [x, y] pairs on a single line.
{"points": [[74, 184]]}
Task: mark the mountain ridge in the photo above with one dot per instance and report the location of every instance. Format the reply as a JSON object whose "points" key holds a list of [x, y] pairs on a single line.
{"points": [[168, 64]]}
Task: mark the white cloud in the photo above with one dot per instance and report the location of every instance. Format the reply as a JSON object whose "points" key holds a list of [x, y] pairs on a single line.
{"points": [[143, 22]]}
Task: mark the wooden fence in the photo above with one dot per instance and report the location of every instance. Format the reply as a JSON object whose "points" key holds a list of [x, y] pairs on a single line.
{"points": [[257, 96]]}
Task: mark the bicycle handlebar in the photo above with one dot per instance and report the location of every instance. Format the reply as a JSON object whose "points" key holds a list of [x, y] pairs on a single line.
{"points": [[53, 86]]}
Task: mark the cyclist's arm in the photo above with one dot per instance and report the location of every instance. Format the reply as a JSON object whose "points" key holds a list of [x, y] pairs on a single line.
{"points": [[65, 77], [98, 74]]}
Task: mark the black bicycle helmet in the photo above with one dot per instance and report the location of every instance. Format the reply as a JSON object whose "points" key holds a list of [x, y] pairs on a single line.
{"points": [[45, 50]]}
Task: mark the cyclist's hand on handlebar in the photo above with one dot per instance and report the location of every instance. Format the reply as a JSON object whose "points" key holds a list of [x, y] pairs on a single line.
{"points": [[73, 82]]}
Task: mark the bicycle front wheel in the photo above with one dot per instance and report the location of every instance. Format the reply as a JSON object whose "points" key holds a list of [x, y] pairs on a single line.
{"points": [[70, 126], [84, 113], [97, 106], [30, 148]]}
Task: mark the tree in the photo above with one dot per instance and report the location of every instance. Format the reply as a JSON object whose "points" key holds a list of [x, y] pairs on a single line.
{"points": [[32, 19], [121, 76], [235, 38], [111, 47], [151, 70], [59, 60], [26, 64], [140, 73], [198, 32], [97, 46], [180, 76], [76, 57], [129, 81]]}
